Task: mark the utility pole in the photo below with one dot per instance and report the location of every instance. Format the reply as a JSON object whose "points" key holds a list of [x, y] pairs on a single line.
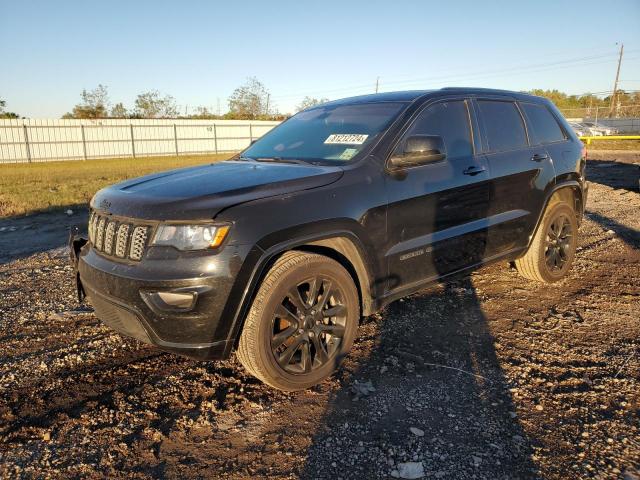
{"points": [[268, 97], [615, 85], [377, 83]]}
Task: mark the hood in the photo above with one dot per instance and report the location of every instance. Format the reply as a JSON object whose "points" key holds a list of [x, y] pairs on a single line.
{"points": [[199, 193]]}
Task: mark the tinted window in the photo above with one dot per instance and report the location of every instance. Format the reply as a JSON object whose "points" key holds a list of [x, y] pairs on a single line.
{"points": [[543, 123], [450, 120], [503, 125], [327, 134]]}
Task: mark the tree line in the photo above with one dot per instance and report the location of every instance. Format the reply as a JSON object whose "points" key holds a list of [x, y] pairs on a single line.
{"points": [[565, 102], [251, 101], [5, 114]]}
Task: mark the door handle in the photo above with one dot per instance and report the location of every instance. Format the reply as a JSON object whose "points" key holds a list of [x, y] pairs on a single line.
{"points": [[538, 157], [473, 170]]}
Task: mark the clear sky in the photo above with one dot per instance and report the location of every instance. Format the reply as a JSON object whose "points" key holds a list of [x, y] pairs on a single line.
{"points": [[199, 51]]}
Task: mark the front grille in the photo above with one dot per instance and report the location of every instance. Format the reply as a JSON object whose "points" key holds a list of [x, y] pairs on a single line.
{"points": [[122, 238]]}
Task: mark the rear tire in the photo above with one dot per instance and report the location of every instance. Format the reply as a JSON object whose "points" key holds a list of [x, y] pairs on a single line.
{"points": [[302, 322], [553, 248]]}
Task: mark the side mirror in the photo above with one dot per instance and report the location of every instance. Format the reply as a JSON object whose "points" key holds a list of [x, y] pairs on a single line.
{"points": [[418, 150]]}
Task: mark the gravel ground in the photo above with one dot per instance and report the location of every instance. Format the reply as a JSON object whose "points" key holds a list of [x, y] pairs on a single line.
{"points": [[483, 377]]}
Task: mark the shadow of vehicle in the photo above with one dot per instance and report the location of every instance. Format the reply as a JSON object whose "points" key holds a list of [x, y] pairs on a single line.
{"points": [[433, 368], [614, 174], [630, 235], [441, 402], [22, 236]]}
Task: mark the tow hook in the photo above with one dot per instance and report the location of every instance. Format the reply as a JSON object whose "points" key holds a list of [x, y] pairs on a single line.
{"points": [[76, 242]]}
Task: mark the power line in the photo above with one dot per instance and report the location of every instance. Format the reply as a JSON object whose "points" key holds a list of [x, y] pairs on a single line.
{"points": [[520, 72], [517, 69], [511, 69], [453, 79]]}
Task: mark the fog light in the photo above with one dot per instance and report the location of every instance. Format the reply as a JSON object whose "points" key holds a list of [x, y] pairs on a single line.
{"points": [[177, 300]]}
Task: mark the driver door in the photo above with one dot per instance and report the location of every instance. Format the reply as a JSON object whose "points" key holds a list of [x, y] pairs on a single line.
{"points": [[436, 217]]}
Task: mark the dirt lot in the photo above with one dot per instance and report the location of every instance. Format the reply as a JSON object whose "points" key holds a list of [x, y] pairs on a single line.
{"points": [[498, 377]]}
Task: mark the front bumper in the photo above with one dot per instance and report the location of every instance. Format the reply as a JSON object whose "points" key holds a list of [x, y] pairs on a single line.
{"points": [[122, 295]]}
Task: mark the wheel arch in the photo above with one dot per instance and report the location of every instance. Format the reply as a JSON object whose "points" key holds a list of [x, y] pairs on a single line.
{"points": [[570, 192], [346, 253], [341, 246]]}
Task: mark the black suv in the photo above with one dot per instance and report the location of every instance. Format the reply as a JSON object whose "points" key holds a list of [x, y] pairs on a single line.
{"points": [[338, 211]]}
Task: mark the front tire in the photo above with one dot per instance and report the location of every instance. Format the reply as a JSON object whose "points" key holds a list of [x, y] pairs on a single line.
{"points": [[302, 322], [553, 248]]}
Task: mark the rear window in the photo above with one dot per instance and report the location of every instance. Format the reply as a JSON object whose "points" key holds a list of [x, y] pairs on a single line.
{"points": [[543, 124], [503, 125]]}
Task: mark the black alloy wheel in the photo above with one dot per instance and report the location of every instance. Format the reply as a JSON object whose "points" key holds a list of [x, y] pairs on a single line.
{"points": [[558, 243], [308, 325]]}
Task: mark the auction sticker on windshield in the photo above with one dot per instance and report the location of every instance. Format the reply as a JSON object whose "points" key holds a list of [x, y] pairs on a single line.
{"points": [[346, 139], [348, 153]]}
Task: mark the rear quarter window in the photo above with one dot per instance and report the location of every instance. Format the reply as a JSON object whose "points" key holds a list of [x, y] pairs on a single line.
{"points": [[503, 125], [543, 124]]}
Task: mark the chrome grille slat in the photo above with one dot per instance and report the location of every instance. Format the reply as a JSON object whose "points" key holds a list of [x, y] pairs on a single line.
{"points": [[138, 242], [121, 240], [109, 235], [90, 229], [93, 227], [100, 233], [117, 238]]}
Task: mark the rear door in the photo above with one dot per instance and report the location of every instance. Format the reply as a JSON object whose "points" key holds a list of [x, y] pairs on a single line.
{"points": [[520, 173], [546, 133], [436, 211]]}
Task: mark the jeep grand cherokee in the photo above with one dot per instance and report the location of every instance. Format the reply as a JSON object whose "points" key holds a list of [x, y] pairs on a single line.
{"points": [[343, 208]]}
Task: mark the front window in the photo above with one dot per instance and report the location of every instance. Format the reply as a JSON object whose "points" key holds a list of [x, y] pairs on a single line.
{"points": [[326, 134], [449, 120]]}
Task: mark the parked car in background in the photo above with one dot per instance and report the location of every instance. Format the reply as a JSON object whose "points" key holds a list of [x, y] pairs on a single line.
{"points": [[599, 129], [591, 131], [579, 129], [337, 212]]}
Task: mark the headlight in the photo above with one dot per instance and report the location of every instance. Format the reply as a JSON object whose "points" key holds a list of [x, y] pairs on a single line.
{"points": [[190, 237]]}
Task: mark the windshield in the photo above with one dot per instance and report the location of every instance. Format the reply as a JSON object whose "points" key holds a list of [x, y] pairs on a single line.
{"points": [[331, 134]]}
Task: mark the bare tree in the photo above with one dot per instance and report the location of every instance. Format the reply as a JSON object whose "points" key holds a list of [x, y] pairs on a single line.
{"points": [[119, 111], [203, 113], [249, 101], [5, 114], [308, 102], [152, 105], [94, 104]]}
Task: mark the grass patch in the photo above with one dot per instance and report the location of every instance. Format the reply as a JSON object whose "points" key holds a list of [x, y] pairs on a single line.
{"points": [[614, 145], [32, 187]]}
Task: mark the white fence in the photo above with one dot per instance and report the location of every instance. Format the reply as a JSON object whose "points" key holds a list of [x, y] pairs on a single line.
{"points": [[42, 140]]}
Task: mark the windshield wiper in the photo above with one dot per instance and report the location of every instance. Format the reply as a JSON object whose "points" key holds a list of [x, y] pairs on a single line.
{"points": [[280, 160]]}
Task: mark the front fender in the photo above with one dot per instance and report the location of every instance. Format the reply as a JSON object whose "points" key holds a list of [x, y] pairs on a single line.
{"points": [[305, 237]]}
